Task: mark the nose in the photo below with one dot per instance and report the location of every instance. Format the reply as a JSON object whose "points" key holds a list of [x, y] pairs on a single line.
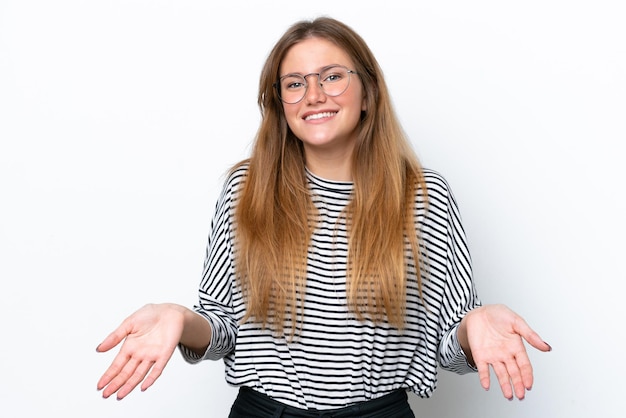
{"points": [[314, 92]]}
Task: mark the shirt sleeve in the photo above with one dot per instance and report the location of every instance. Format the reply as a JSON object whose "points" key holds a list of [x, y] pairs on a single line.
{"points": [[215, 293], [460, 295]]}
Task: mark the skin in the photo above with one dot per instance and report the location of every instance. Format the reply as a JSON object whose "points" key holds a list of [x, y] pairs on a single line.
{"points": [[329, 141], [150, 336], [491, 335]]}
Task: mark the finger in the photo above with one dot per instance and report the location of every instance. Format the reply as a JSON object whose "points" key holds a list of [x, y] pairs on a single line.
{"points": [[120, 378], [504, 379], [138, 375], [525, 369], [533, 338], [157, 369], [483, 375], [119, 362], [155, 373], [112, 339], [515, 379]]}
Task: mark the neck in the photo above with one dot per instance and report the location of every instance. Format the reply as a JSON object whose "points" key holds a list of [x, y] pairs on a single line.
{"points": [[337, 169], [336, 165]]}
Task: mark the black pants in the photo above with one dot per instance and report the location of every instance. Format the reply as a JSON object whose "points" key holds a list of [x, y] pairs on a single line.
{"points": [[252, 404]]}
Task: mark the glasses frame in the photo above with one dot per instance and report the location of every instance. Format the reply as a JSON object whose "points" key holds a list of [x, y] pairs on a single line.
{"points": [[319, 82]]}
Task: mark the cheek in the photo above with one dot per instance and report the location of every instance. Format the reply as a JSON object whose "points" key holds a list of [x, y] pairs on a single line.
{"points": [[290, 111], [357, 98]]}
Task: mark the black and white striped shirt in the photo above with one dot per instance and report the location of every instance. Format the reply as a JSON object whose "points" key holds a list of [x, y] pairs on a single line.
{"points": [[338, 360]]}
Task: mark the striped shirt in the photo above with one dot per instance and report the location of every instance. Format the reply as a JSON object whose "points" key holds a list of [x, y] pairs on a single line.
{"points": [[338, 360]]}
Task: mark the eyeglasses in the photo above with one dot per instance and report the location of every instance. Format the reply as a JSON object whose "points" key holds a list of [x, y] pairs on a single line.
{"points": [[333, 81]]}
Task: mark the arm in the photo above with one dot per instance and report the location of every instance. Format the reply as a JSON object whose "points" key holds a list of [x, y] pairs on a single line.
{"points": [[151, 334], [453, 268], [475, 336], [217, 301]]}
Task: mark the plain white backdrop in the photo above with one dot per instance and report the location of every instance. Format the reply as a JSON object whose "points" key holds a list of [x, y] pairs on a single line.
{"points": [[119, 118]]}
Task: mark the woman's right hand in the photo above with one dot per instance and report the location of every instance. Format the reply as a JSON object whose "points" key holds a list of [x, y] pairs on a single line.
{"points": [[150, 337]]}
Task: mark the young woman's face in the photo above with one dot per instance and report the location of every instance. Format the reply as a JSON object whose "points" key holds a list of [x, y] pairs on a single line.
{"points": [[324, 123]]}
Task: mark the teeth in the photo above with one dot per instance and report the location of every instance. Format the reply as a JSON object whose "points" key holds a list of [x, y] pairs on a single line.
{"points": [[320, 115]]}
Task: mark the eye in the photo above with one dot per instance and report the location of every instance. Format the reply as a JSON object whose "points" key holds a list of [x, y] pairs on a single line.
{"points": [[332, 76], [295, 85], [292, 83]]}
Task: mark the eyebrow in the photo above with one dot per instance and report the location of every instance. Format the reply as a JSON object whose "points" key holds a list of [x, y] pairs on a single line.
{"points": [[326, 67]]}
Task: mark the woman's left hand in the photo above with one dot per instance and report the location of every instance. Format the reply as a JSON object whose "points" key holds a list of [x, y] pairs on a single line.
{"points": [[494, 335]]}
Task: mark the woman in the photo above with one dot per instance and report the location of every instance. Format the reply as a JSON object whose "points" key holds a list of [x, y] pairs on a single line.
{"points": [[337, 275]]}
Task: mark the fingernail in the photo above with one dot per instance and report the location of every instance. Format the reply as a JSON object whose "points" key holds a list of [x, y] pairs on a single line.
{"points": [[549, 346], [98, 347]]}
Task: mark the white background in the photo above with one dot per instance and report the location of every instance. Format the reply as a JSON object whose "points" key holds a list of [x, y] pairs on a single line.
{"points": [[119, 118]]}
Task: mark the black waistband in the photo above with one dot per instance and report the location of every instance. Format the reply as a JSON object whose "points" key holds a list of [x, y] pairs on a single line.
{"points": [[393, 404]]}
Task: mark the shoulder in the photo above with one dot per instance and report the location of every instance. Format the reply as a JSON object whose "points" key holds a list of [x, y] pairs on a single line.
{"points": [[437, 187], [235, 175], [232, 181]]}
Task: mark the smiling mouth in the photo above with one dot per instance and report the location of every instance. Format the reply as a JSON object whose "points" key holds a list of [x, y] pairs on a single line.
{"points": [[320, 115]]}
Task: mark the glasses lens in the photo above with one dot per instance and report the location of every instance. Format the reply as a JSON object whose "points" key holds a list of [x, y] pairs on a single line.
{"points": [[333, 81], [292, 88]]}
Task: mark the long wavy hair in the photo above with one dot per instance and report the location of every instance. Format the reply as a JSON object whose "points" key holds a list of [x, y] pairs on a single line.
{"points": [[274, 208]]}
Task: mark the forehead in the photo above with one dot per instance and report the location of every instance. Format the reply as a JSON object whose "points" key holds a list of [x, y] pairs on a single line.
{"points": [[311, 54]]}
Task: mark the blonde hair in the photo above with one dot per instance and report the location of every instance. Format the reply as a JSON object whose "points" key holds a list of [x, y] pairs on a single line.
{"points": [[273, 222]]}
